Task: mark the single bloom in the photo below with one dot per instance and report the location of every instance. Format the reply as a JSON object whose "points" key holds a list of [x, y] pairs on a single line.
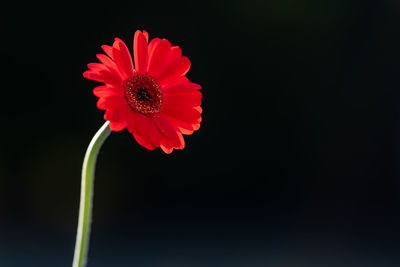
{"points": [[152, 98]]}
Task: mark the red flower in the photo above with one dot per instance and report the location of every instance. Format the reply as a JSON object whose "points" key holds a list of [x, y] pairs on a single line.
{"points": [[154, 101]]}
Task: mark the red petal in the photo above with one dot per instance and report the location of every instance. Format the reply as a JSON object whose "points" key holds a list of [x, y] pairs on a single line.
{"points": [[146, 35], [140, 52], [181, 141], [109, 74], [166, 128], [158, 57], [187, 132], [106, 61], [122, 58], [199, 109], [167, 145], [153, 44], [112, 102], [188, 99], [180, 80], [104, 91], [174, 70], [105, 77], [182, 126], [115, 114], [97, 67], [146, 129], [108, 50], [187, 114], [181, 88], [143, 142], [154, 133], [117, 126], [174, 53], [131, 121], [110, 65], [166, 149], [116, 119]]}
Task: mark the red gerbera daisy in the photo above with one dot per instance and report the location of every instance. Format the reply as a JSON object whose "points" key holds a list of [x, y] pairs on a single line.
{"points": [[154, 100]]}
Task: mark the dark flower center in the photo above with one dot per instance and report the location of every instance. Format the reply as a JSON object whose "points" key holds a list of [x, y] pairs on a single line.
{"points": [[143, 94]]}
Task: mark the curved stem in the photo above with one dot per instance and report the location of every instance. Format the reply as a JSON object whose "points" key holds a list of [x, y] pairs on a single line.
{"points": [[85, 206]]}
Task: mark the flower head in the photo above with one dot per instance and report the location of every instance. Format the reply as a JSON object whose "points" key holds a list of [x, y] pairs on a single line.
{"points": [[152, 98]]}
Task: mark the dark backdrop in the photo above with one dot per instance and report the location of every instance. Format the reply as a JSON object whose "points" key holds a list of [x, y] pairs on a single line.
{"points": [[296, 162]]}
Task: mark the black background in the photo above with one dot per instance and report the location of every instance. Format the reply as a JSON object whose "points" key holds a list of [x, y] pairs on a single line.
{"points": [[295, 164]]}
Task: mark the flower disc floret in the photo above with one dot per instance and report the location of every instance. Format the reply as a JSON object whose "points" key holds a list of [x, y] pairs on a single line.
{"points": [[143, 94]]}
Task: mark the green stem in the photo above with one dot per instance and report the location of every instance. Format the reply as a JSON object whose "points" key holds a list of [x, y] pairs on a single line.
{"points": [[85, 206]]}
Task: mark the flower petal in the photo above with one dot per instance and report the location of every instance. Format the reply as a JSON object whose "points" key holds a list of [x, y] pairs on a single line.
{"points": [[117, 118], [140, 52], [146, 129], [184, 113], [97, 67], [153, 44], [131, 121], [104, 76], [146, 35], [199, 109], [181, 88], [122, 58], [181, 141], [174, 70], [143, 142], [188, 99], [180, 80], [111, 102], [166, 129], [154, 133], [117, 126], [182, 126], [109, 74], [167, 150], [115, 114], [158, 56], [108, 50], [105, 91], [174, 53], [167, 145], [106, 61]]}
